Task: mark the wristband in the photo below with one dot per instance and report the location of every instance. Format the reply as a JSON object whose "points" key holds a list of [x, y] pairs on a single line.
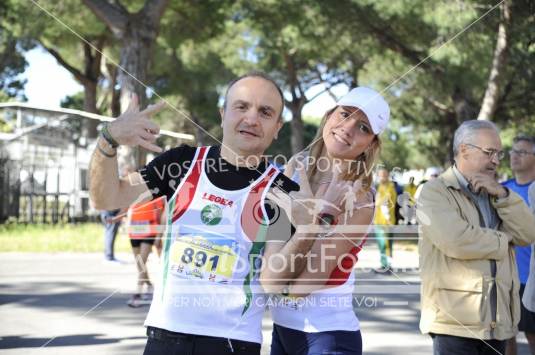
{"points": [[107, 155], [105, 133]]}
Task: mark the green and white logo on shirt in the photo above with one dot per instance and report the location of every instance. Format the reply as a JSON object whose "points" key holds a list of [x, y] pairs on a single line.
{"points": [[211, 215]]}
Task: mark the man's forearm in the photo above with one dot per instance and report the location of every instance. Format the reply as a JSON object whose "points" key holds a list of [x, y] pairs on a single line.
{"points": [[103, 176]]}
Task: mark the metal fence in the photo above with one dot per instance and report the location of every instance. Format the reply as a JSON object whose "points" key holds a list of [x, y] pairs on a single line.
{"points": [[28, 199]]}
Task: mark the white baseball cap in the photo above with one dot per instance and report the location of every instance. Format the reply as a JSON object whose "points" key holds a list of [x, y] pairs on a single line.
{"points": [[371, 103], [432, 171]]}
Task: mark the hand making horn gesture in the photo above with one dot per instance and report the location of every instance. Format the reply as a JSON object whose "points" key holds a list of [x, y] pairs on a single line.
{"points": [[135, 128]]}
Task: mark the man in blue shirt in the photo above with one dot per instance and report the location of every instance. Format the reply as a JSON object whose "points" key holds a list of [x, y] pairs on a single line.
{"points": [[523, 166]]}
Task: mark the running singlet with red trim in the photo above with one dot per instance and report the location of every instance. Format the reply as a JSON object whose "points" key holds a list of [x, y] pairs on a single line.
{"points": [[214, 237], [323, 310]]}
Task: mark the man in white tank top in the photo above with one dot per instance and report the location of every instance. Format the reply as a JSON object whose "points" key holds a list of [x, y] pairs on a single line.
{"points": [[208, 300]]}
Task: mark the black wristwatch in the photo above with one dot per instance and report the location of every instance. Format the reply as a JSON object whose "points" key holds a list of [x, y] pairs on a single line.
{"points": [[326, 219]]}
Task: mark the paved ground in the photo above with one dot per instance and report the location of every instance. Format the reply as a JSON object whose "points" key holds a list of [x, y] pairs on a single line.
{"points": [[75, 304]]}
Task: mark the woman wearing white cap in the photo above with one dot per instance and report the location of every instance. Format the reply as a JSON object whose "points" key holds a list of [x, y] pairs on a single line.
{"points": [[313, 312]]}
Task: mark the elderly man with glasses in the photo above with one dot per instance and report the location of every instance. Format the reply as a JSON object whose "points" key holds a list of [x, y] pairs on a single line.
{"points": [[523, 166], [469, 225]]}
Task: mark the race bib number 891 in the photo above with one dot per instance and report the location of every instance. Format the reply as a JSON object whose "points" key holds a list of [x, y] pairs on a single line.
{"points": [[203, 256]]}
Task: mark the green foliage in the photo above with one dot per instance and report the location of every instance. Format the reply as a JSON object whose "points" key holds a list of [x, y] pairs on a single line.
{"points": [[432, 99], [53, 34], [194, 75], [303, 43], [281, 146], [46, 238], [75, 101], [12, 62]]}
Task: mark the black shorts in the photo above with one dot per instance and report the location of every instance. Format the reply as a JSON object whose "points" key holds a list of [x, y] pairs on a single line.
{"points": [[136, 242], [527, 318], [163, 341]]}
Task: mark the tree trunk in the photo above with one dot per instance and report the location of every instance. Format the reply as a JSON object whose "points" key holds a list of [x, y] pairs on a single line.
{"points": [[464, 109], [298, 128], [88, 77], [137, 34], [115, 94], [450, 125], [92, 73], [135, 56], [491, 98], [200, 136], [90, 105], [90, 97]]}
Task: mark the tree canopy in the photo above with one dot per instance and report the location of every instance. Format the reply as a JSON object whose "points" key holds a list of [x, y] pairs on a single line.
{"points": [[438, 63]]}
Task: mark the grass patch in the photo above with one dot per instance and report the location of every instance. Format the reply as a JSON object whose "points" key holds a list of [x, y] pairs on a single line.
{"points": [[80, 238]]}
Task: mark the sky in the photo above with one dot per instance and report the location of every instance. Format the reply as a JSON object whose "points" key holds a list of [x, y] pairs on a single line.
{"points": [[48, 83]]}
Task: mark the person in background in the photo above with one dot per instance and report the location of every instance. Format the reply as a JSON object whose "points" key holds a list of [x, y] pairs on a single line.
{"points": [[469, 225], [410, 188], [399, 192], [407, 202], [144, 228], [523, 166], [430, 174], [385, 217], [112, 221], [111, 227]]}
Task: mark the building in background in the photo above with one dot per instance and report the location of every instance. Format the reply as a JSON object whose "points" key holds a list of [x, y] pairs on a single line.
{"points": [[44, 161]]}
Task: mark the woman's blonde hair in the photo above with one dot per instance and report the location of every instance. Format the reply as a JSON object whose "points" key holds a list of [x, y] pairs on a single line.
{"points": [[364, 163]]}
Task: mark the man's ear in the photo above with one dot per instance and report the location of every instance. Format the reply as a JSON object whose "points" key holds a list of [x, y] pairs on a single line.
{"points": [[463, 150], [279, 126]]}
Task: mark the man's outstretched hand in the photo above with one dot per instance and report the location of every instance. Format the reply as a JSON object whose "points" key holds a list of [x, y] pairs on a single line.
{"points": [[135, 128]]}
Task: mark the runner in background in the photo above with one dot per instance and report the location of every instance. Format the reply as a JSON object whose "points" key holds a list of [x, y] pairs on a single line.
{"points": [[385, 217], [144, 230], [408, 203]]}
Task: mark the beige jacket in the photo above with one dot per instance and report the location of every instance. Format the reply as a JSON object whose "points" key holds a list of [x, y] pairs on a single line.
{"points": [[458, 296]]}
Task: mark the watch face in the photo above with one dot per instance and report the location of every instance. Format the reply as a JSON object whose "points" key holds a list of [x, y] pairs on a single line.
{"points": [[326, 219]]}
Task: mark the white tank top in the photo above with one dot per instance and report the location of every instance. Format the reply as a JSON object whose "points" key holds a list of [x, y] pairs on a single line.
{"points": [[323, 310], [207, 284]]}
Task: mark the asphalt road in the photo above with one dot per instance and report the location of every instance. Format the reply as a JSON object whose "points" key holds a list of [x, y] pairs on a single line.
{"points": [[76, 304]]}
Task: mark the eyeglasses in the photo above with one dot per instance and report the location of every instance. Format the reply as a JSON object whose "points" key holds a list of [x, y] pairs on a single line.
{"points": [[522, 152], [491, 153]]}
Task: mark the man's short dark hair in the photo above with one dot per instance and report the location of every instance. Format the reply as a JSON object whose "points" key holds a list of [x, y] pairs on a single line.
{"points": [[255, 74], [525, 138]]}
